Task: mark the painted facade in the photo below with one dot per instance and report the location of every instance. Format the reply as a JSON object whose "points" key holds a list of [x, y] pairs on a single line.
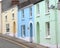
{"points": [[39, 23], [47, 23], [9, 21], [26, 23]]}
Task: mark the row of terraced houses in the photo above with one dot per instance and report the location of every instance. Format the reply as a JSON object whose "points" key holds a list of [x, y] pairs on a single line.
{"points": [[35, 21]]}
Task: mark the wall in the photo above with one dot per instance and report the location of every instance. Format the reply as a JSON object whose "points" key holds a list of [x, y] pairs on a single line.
{"points": [[9, 21], [44, 17], [25, 21]]}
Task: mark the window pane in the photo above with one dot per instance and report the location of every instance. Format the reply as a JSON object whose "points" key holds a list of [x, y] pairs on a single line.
{"points": [[13, 16], [7, 27], [37, 8], [23, 13], [47, 5], [48, 28], [30, 11], [5, 18], [23, 30]]}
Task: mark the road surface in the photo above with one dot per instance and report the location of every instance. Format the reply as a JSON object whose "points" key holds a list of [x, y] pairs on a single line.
{"points": [[6, 44]]}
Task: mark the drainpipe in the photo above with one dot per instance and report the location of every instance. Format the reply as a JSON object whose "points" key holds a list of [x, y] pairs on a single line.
{"points": [[56, 25]]}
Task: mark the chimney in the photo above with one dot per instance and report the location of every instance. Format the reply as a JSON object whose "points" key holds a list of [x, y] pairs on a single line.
{"points": [[15, 2]]}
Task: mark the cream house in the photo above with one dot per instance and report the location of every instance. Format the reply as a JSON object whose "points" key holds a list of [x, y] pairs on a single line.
{"points": [[9, 21]]}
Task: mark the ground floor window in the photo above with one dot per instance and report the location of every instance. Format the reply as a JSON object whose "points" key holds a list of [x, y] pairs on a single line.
{"points": [[7, 28], [47, 28], [23, 30]]}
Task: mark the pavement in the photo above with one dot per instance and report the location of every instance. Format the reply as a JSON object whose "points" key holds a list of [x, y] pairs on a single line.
{"points": [[7, 44], [13, 42]]}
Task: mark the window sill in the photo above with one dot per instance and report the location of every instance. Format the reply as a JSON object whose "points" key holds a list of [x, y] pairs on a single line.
{"points": [[23, 36], [38, 15], [7, 33], [30, 17], [22, 19], [47, 13], [48, 37]]}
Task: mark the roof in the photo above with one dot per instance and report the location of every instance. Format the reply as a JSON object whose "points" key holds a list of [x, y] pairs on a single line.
{"points": [[22, 3], [28, 2], [6, 4]]}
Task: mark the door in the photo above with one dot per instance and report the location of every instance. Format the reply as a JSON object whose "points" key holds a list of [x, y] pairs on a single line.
{"points": [[38, 33], [14, 29], [31, 33]]}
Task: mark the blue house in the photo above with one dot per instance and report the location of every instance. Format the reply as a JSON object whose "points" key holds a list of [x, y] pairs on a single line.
{"points": [[26, 23]]}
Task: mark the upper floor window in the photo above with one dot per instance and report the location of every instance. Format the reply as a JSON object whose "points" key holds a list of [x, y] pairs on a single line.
{"points": [[47, 5], [23, 13], [30, 11], [12, 16], [7, 28], [23, 30], [38, 8], [5, 18], [47, 28]]}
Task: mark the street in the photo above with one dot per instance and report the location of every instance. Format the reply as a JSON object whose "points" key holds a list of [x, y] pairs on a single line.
{"points": [[7, 44]]}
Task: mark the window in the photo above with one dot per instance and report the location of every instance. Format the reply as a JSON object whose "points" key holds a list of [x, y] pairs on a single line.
{"points": [[7, 28], [23, 30], [48, 28], [47, 5], [38, 8], [13, 16], [30, 11], [5, 18], [23, 13]]}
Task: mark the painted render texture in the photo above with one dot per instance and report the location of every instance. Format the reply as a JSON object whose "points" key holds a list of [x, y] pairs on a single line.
{"points": [[12, 22], [26, 21], [38, 21], [52, 17]]}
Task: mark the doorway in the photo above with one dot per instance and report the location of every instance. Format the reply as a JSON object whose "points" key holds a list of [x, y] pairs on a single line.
{"points": [[14, 29], [31, 32], [38, 32]]}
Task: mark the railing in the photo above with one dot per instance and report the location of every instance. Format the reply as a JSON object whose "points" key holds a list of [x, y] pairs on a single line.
{"points": [[25, 43]]}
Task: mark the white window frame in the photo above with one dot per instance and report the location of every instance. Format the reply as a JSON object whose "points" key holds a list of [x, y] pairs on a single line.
{"points": [[7, 28], [47, 6], [22, 13], [23, 30], [47, 29], [38, 9], [30, 11], [6, 18], [12, 16]]}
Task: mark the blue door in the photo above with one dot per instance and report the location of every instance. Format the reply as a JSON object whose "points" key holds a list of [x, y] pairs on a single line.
{"points": [[31, 33]]}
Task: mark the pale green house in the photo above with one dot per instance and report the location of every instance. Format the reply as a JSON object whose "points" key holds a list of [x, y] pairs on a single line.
{"points": [[47, 23]]}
